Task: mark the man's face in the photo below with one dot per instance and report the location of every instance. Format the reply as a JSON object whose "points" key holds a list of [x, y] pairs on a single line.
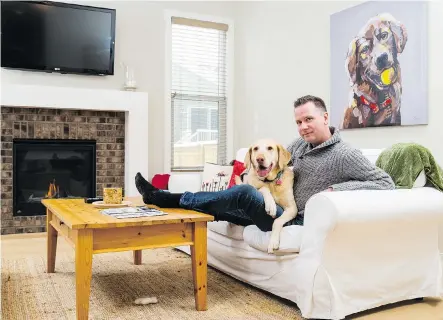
{"points": [[312, 123]]}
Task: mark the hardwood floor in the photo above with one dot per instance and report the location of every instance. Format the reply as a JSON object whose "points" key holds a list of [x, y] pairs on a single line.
{"points": [[22, 245]]}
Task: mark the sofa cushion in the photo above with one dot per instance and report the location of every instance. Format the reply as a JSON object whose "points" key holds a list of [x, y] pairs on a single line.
{"points": [[181, 182], [238, 169], [215, 177], [227, 229], [290, 239], [160, 181], [371, 154], [241, 154], [420, 181]]}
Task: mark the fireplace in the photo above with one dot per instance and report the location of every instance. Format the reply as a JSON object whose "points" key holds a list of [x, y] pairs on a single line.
{"points": [[115, 119], [51, 169]]}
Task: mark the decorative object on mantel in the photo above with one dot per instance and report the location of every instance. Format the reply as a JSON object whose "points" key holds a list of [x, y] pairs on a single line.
{"points": [[130, 83]]}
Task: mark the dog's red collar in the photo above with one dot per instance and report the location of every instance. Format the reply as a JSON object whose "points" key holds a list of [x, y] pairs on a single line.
{"points": [[374, 106], [278, 178]]}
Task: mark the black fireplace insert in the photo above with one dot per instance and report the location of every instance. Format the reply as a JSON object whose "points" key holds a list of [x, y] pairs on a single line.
{"points": [[51, 169]]}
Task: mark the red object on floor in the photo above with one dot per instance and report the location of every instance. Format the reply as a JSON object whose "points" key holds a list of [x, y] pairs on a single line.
{"points": [[160, 181], [239, 167]]}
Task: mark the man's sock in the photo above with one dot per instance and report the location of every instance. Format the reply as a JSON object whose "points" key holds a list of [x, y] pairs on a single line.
{"points": [[142, 185], [152, 195]]}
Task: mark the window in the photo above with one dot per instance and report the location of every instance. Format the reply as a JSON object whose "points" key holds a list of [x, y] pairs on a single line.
{"points": [[198, 93]]}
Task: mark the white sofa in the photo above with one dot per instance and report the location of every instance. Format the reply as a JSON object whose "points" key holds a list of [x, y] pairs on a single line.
{"points": [[357, 250]]}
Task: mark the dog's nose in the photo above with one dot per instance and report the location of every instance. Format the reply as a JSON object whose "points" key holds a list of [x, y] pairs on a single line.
{"points": [[382, 61], [260, 160]]}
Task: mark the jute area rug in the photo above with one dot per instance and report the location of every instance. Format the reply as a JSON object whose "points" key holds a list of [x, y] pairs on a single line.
{"points": [[28, 292]]}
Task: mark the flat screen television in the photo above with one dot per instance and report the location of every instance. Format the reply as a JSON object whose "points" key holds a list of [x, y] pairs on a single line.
{"points": [[57, 37]]}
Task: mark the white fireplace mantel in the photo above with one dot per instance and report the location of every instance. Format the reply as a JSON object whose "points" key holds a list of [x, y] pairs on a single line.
{"points": [[134, 104]]}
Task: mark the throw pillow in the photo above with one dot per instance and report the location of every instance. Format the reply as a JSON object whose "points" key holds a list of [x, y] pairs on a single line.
{"points": [[239, 167], [215, 177], [160, 181]]}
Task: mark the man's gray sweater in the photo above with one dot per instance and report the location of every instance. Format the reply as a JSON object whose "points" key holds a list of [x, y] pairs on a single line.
{"points": [[332, 164]]}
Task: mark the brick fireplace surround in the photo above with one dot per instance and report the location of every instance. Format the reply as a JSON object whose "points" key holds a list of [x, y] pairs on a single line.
{"points": [[107, 128], [115, 119]]}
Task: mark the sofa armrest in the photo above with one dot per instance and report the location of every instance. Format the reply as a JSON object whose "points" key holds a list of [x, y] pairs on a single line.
{"points": [[327, 211], [374, 206], [371, 206], [376, 245], [181, 182]]}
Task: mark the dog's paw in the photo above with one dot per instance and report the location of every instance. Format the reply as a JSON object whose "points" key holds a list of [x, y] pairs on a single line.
{"points": [[274, 243], [146, 300], [271, 207]]}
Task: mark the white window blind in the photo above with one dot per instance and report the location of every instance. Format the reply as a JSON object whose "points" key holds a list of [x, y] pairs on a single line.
{"points": [[198, 94]]}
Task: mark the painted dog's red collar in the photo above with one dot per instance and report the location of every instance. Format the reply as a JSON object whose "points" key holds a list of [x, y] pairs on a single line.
{"points": [[374, 106]]}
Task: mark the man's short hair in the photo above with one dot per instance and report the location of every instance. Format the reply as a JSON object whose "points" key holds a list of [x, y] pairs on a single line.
{"points": [[318, 102]]}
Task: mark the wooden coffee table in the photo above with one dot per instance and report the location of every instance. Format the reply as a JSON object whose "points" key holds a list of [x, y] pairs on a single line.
{"points": [[91, 232]]}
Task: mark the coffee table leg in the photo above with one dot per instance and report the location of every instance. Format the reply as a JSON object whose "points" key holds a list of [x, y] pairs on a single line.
{"points": [[137, 257], [83, 271], [199, 265], [51, 243]]}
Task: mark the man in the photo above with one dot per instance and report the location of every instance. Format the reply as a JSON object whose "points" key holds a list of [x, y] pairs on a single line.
{"points": [[321, 160]]}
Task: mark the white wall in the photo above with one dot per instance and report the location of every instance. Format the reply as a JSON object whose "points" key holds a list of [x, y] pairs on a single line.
{"points": [[140, 42], [282, 52]]}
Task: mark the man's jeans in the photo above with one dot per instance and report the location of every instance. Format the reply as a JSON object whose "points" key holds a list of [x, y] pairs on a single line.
{"points": [[242, 204]]}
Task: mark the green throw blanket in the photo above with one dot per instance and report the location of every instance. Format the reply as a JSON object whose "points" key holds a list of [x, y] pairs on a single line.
{"points": [[404, 162]]}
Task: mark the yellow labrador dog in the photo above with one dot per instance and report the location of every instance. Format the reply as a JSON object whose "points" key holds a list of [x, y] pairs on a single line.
{"points": [[267, 169]]}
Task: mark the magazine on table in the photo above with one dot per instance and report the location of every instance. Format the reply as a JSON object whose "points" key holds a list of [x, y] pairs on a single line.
{"points": [[133, 212]]}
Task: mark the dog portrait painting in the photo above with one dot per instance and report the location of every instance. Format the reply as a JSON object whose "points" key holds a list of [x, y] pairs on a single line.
{"points": [[378, 65]]}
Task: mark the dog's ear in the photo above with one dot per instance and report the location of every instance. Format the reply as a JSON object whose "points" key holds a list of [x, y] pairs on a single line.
{"points": [[351, 62], [247, 162], [400, 34], [284, 156]]}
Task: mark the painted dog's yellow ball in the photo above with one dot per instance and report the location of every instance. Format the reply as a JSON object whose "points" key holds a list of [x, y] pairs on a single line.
{"points": [[387, 75]]}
